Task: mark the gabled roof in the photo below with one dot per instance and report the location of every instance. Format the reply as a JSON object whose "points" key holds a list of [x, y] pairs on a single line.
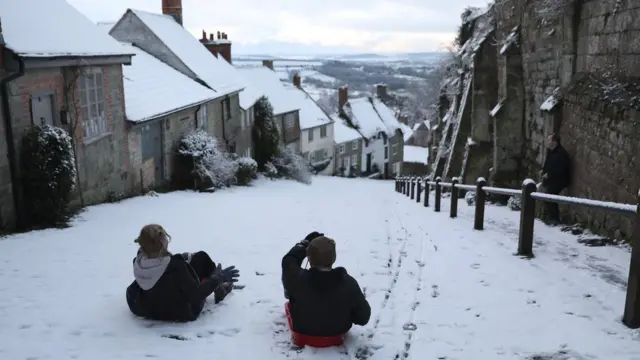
{"points": [[415, 154], [153, 89], [216, 72], [371, 116], [343, 133], [311, 114], [267, 82], [53, 28]]}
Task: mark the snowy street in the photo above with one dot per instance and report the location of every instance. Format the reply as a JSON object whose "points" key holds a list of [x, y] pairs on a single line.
{"points": [[437, 288]]}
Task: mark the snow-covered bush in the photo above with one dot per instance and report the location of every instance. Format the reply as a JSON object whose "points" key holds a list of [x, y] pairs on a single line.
{"points": [[264, 133], [48, 175], [292, 166], [514, 203], [210, 165], [246, 170], [270, 170], [470, 198]]}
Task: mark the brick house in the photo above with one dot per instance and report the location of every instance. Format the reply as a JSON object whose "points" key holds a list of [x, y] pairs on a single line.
{"points": [[380, 129], [348, 149], [263, 80], [72, 80], [164, 37]]}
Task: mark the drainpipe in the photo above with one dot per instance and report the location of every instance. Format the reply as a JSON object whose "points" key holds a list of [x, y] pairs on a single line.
{"points": [[11, 150]]}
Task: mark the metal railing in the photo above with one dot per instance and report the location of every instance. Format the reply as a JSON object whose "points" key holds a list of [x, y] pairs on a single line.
{"points": [[529, 197]]}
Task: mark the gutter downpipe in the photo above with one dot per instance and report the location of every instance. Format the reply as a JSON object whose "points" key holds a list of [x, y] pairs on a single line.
{"points": [[11, 150]]}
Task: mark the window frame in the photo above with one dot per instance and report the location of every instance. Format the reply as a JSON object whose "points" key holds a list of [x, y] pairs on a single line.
{"points": [[394, 149], [97, 126], [310, 135], [342, 148], [354, 145], [201, 122], [323, 131]]}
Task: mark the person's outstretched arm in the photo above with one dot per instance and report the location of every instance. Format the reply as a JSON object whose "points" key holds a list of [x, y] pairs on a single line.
{"points": [[361, 310], [194, 290], [292, 265]]}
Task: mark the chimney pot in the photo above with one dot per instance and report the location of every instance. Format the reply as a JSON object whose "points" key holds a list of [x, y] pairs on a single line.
{"points": [[211, 37], [343, 96], [204, 35], [218, 35], [297, 82]]}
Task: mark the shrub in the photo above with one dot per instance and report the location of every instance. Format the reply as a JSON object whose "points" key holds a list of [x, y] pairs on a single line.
{"points": [[211, 167], [270, 170], [264, 133], [514, 203], [470, 198], [246, 171], [48, 175], [292, 166]]}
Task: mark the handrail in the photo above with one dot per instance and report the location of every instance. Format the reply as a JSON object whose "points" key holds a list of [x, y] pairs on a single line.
{"points": [[528, 195]]}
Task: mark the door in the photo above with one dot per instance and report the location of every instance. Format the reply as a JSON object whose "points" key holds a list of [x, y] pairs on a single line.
{"points": [[347, 165], [386, 170], [152, 148], [369, 162], [42, 110]]}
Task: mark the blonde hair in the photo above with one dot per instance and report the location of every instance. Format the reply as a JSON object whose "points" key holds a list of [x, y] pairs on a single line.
{"points": [[151, 240]]}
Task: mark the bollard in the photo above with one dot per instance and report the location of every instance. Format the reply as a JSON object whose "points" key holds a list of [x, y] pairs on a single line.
{"points": [[453, 210], [410, 184], [397, 182], [527, 219], [413, 188], [631, 316], [419, 190], [438, 195], [478, 221], [427, 190], [406, 186]]}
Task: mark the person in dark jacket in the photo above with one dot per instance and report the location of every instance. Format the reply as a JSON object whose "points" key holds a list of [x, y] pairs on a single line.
{"points": [[556, 174], [323, 301], [174, 287]]}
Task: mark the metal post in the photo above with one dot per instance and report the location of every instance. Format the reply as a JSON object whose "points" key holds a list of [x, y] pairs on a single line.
{"points": [[631, 316], [527, 219], [406, 186], [453, 209], [478, 221], [427, 191], [419, 190], [438, 195], [413, 188], [410, 184]]}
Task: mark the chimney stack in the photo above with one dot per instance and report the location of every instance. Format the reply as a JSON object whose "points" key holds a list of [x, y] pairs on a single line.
{"points": [[204, 35], [218, 35], [343, 96], [381, 91], [404, 119], [268, 63], [173, 8], [297, 82], [211, 37]]}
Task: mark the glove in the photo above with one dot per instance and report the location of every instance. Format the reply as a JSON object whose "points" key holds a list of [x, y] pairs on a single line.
{"points": [[230, 274], [313, 235], [221, 292]]}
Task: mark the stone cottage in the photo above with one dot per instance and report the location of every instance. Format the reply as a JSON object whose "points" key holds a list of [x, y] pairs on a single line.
{"points": [[264, 81], [348, 149], [72, 80], [162, 36], [380, 130]]}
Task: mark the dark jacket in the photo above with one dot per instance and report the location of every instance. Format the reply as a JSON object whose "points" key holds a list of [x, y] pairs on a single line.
{"points": [[322, 303], [168, 290], [557, 166]]}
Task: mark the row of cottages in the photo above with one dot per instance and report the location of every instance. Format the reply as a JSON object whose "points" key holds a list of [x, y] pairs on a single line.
{"points": [[126, 92], [416, 150], [378, 147]]}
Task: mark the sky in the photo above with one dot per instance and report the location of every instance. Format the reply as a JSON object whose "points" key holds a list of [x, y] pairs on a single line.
{"points": [[310, 25]]}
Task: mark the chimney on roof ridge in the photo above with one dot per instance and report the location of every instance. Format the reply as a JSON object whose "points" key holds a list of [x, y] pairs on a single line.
{"points": [[173, 8], [204, 35], [343, 96], [297, 82], [218, 35], [381, 91], [211, 37]]}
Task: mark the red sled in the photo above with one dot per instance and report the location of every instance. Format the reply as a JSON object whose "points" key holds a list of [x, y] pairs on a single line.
{"points": [[302, 340]]}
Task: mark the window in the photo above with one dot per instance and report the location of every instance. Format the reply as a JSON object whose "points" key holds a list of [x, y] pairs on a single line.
{"points": [[310, 135], [354, 145], [306, 156], [247, 153], [354, 160], [289, 121], [318, 155], [91, 90], [386, 152], [384, 139], [201, 117], [252, 116], [396, 168], [394, 149], [226, 108], [323, 132], [244, 118], [342, 149]]}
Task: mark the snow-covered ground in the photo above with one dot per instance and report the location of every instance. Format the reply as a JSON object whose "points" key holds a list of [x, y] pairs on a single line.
{"points": [[438, 289]]}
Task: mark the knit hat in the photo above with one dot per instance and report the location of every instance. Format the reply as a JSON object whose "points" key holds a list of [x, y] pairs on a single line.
{"points": [[321, 252]]}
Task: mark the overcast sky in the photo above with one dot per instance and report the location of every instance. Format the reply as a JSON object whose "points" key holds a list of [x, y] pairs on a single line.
{"points": [[360, 25]]}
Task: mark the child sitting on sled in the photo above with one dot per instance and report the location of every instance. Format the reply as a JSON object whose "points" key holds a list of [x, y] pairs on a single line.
{"points": [[323, 301], [174, 287]]}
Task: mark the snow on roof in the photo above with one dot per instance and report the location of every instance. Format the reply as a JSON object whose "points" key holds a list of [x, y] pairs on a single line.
{"points": [[343, 133], [388, 117], [363, 115], [267, 83], [153, 88], [53, 28], [214, 71], [415, 154], [251, 92], [311, 114]]}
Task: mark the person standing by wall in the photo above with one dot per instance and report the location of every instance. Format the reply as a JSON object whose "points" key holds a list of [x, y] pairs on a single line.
{"points": [[556, 174]]}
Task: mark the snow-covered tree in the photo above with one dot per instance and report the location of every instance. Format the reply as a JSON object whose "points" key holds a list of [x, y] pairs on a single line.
{"points": [[292, 166], [48, 175], [211, 166], [264, 133]]}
